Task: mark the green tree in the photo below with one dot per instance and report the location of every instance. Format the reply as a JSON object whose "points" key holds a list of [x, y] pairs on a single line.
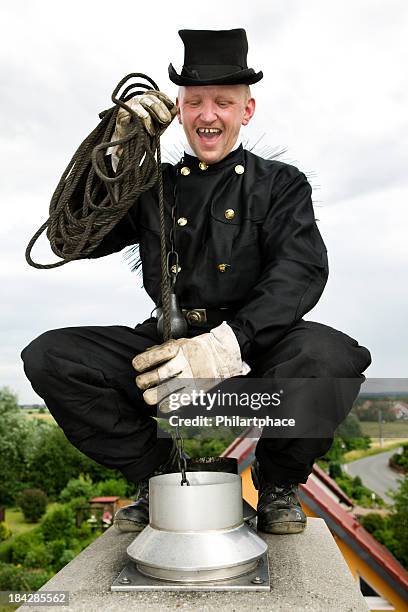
{"points": [[335, 470], [381, 528], [336, 452], [38, 555], [399, 521], [369, 409], [53, 461], [58, 524], [401, 459], [78, 487], [24, 543], [351, 433], [15, 432], [20, 579], [112, 486], [33, 503]]}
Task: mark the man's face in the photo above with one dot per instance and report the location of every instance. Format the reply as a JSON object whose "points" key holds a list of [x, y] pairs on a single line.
{"points": [[212, 116]]}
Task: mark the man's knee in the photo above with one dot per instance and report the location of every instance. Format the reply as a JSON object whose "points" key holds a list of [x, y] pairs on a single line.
{"points": [[333, 353], [36, 355]]}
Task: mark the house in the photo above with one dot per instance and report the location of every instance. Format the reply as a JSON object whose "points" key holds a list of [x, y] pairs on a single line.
{"points": [[400, 409]]}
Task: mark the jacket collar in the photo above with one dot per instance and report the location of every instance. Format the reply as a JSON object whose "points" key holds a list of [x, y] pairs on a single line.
{"points": [[189, 151], [235, 157]]}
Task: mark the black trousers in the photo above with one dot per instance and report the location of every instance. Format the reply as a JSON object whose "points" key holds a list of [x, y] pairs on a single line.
{"points": [[85, 376]]}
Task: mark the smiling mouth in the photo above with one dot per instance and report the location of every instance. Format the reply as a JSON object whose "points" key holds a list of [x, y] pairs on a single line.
{"points": [[209, 133]]}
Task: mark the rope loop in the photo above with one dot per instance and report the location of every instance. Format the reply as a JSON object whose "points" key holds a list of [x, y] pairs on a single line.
{"points": [[88, 200]]}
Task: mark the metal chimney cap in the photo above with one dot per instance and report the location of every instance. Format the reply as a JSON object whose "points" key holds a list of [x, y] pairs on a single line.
{"points": [[196, 533], [212, 501]]}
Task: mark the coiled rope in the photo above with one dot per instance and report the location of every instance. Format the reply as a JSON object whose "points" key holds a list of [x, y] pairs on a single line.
{"points": [[76, 226]]}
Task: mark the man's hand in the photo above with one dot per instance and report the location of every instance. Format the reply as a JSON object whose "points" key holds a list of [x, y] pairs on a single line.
{"points": [[156, 111], [188, 364], [154, 108]]}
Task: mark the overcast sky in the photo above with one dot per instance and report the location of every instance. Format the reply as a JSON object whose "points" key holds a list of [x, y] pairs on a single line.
{"points": [[334, 93]]}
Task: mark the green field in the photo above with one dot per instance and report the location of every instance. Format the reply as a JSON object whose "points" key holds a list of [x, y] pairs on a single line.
{"points": [[34, 414], [392, 429]]}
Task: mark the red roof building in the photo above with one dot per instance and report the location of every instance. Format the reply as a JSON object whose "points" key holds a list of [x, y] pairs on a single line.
{"points": [[383, 580]]}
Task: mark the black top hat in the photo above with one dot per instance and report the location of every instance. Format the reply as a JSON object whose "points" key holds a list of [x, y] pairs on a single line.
{"points": [[215, 58]]}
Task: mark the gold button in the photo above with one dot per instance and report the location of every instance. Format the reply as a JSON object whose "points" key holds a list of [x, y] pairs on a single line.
{"points": [[175, 269], [185, 171], [203, 166], [229, 213], [239, 169], [222, 267], [182, 221]]}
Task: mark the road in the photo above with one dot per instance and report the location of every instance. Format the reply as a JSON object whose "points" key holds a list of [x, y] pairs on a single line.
{"points": [[375, 473]]}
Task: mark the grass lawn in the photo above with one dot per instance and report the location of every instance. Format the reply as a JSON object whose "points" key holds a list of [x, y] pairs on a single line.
{"points": [[16, 522]]}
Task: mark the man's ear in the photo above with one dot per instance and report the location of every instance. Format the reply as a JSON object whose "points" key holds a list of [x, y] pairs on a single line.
{"points": [[178, 111], [249, 111]]}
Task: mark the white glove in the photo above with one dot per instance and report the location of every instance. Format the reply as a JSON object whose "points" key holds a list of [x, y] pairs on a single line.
{"points": [[156, 111], [187, 365], [154, 108]]}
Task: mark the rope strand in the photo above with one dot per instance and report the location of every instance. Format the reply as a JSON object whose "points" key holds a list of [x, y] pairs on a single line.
{"points": [[75, 228]]}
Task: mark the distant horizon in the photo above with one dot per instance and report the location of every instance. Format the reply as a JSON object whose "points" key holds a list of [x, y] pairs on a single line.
{"points": [[370, 387]]}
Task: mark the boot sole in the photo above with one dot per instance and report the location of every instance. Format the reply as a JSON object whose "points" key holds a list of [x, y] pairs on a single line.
{"points": [[283, 528], [127, 526]]}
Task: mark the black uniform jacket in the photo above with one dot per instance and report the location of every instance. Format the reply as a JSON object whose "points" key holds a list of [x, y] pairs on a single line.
{"points": [[246, 237]]}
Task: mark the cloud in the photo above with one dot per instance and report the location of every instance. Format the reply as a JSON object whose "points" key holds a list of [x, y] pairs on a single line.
{"points": [[366, 294], [334, 93]]}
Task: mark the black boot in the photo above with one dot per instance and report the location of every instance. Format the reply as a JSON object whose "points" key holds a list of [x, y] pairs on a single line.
{"points": [[279, 509], [135, 517]]}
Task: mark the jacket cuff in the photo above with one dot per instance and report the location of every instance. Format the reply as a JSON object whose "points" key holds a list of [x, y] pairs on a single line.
{"points": [[242, 338]]}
